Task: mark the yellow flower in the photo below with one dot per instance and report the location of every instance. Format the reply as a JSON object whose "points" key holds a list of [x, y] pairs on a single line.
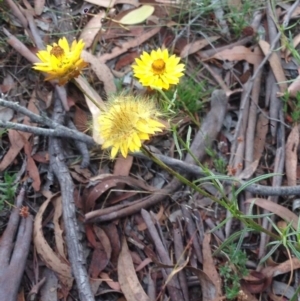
{"points": [[126, 123], [60, 61], [158, 69]]}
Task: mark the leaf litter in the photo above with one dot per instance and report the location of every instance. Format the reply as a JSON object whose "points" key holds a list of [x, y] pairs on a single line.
{"points": [[142, 234]]}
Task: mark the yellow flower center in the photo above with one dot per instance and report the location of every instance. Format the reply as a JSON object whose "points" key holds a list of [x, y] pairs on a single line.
{"points": [[57, 51], [158, 66]]}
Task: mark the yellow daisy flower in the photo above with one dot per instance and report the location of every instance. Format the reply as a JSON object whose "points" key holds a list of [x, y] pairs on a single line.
{"points": [[126, 123], [60, 61], [158, 69]]}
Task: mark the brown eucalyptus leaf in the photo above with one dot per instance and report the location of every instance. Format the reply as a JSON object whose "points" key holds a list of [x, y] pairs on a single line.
{"points": [[275, 64], [101, 70], [52, 260], [209, 290], [196, 46], [208, 264], [17, 139], [59, 240], [279, 210], [39, 6], [239, 53], [91, 29], [101, 235], [260, 135], [291, 156], [113, 181], [128, 279], [282, 268]]}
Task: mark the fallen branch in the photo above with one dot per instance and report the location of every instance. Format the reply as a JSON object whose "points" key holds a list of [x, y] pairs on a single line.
{"points": [[59, 132], [60, 169]]}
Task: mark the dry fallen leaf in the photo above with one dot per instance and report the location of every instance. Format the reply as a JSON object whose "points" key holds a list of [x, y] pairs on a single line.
{"points": [[17, 139], [7, 84], [275, 64], [256, 282], [247, 173], [31, 167], [91, 29], [209, 290], [146, 35], [102, 71], [196, 46], [123, 166], [277, 209], [282, 268], [239, 53], [39, 6], [101, 235], [260, 135], [294, 87], [291, 156], [208, 264], [128, 279], [137, 15], [59, 241], [112, 284], [52, 260], [109, 182]]}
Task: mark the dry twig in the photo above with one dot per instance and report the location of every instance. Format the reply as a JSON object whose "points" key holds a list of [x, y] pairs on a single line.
{"points": [[13, 253]]}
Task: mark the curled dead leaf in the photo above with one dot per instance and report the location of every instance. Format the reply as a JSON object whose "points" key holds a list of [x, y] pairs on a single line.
{"points": [[52, 260], [256, 282]]}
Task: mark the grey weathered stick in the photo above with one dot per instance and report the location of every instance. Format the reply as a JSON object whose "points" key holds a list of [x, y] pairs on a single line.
{"points": [[61, 171], [196, 171], [192, 231], [210, 126], [16, 10], [82, 147], [277, 181], [180, 257], [173, 285], [14, 248], [60, 131]]}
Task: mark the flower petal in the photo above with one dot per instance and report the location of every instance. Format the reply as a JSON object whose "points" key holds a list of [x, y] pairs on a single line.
{"points": [[64, 66], [158, 79], [126, 123]]}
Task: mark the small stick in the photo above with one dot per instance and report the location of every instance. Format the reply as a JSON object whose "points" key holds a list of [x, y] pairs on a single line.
{"points": [[61, 171], [173, 284], [59, 132]]}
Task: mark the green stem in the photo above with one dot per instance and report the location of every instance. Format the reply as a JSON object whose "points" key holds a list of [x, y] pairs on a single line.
{"points": [[170, 103], [235, 213], [164, 95]]}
